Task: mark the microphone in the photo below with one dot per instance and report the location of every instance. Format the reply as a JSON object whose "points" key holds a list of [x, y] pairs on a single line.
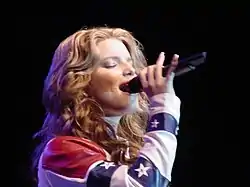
{"points": [[185, 65]]}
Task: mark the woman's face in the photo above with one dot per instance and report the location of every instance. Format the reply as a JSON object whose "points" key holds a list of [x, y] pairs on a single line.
{"points": [[114, 68]]}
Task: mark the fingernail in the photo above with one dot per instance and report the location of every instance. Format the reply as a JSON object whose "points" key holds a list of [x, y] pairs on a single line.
{"points": [[176, 56], [162, 54]]}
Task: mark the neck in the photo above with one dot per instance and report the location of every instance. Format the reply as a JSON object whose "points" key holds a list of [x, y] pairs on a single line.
{"points": [[113, 121], [133, 107]]}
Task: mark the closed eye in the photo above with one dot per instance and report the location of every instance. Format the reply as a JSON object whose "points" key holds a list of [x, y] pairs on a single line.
{"points": [[109, 64]]}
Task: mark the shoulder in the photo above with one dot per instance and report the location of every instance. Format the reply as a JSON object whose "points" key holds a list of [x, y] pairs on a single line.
{"points": [[66, 144], [71, 156]]}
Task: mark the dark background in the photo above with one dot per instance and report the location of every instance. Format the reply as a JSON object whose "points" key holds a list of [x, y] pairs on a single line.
{"points": [[213, 139]]}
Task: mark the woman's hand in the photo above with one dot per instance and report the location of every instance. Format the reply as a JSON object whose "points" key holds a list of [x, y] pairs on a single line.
{"points": [[151, 78]]}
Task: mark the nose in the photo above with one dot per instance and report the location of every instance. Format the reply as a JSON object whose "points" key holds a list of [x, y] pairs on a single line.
{"points": [[129, 73], [128, 69]]}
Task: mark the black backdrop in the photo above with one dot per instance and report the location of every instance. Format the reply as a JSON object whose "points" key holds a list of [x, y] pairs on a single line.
{"points": [[211, 137]]}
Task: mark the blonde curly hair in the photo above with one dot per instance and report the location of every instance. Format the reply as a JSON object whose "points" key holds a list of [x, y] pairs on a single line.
{"points": [[69, 108]]}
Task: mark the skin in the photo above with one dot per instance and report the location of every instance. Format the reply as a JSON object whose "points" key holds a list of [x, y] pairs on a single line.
{"points": [[115, 68]]}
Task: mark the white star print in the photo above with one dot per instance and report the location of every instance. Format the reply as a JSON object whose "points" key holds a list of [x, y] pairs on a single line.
{"points": [[142, 170], [154, 124], [107, 164]]}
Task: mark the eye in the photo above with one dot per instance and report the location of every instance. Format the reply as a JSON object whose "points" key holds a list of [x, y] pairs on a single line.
{"points": [[109, 64]]}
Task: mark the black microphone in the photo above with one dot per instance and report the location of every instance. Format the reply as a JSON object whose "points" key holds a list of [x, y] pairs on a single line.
{"points": [[185, 65]]}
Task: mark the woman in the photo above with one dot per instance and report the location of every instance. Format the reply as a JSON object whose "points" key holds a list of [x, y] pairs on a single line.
{"points": [[95, 134]]}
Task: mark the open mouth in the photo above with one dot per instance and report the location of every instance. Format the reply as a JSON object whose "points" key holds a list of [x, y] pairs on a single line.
{"points": [[125, 87], [132, 86]]}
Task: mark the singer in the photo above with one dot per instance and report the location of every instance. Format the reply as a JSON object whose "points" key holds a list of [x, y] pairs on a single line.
{"points": [[94, 134]]}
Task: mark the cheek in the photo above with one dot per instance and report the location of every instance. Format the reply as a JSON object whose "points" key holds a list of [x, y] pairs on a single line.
{"points": [[104, 89], [104, 82]]}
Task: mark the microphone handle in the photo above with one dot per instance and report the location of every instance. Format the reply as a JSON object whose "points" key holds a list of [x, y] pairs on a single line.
{"points": [[185, 65]]}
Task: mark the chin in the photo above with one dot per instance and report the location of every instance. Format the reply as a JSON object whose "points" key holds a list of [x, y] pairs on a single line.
{"points": [[122, 104], [124, 97], [120, 101]]}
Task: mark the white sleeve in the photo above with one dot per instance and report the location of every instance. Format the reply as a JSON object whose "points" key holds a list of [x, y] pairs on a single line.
{"points": [[161, 142], [154, 164]]}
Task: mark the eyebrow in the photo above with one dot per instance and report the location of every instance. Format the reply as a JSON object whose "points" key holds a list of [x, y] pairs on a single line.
{"points": [[116, 58]]}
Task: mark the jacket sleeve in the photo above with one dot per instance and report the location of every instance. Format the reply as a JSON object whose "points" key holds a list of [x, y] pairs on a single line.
{"points": [[77, 162]]}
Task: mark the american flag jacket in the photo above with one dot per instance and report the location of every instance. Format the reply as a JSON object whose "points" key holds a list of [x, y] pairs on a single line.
{"points": [[69, 161]]}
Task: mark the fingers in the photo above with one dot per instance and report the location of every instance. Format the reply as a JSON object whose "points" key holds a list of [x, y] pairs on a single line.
{"points": [[175, 59], [151, 76], [143, 78], [158, 68], [173, 65], [170, 74], [152, 80], [160, 60]]}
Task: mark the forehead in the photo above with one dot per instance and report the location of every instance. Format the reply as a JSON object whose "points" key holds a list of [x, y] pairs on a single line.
{"points": [[112, 47]]}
